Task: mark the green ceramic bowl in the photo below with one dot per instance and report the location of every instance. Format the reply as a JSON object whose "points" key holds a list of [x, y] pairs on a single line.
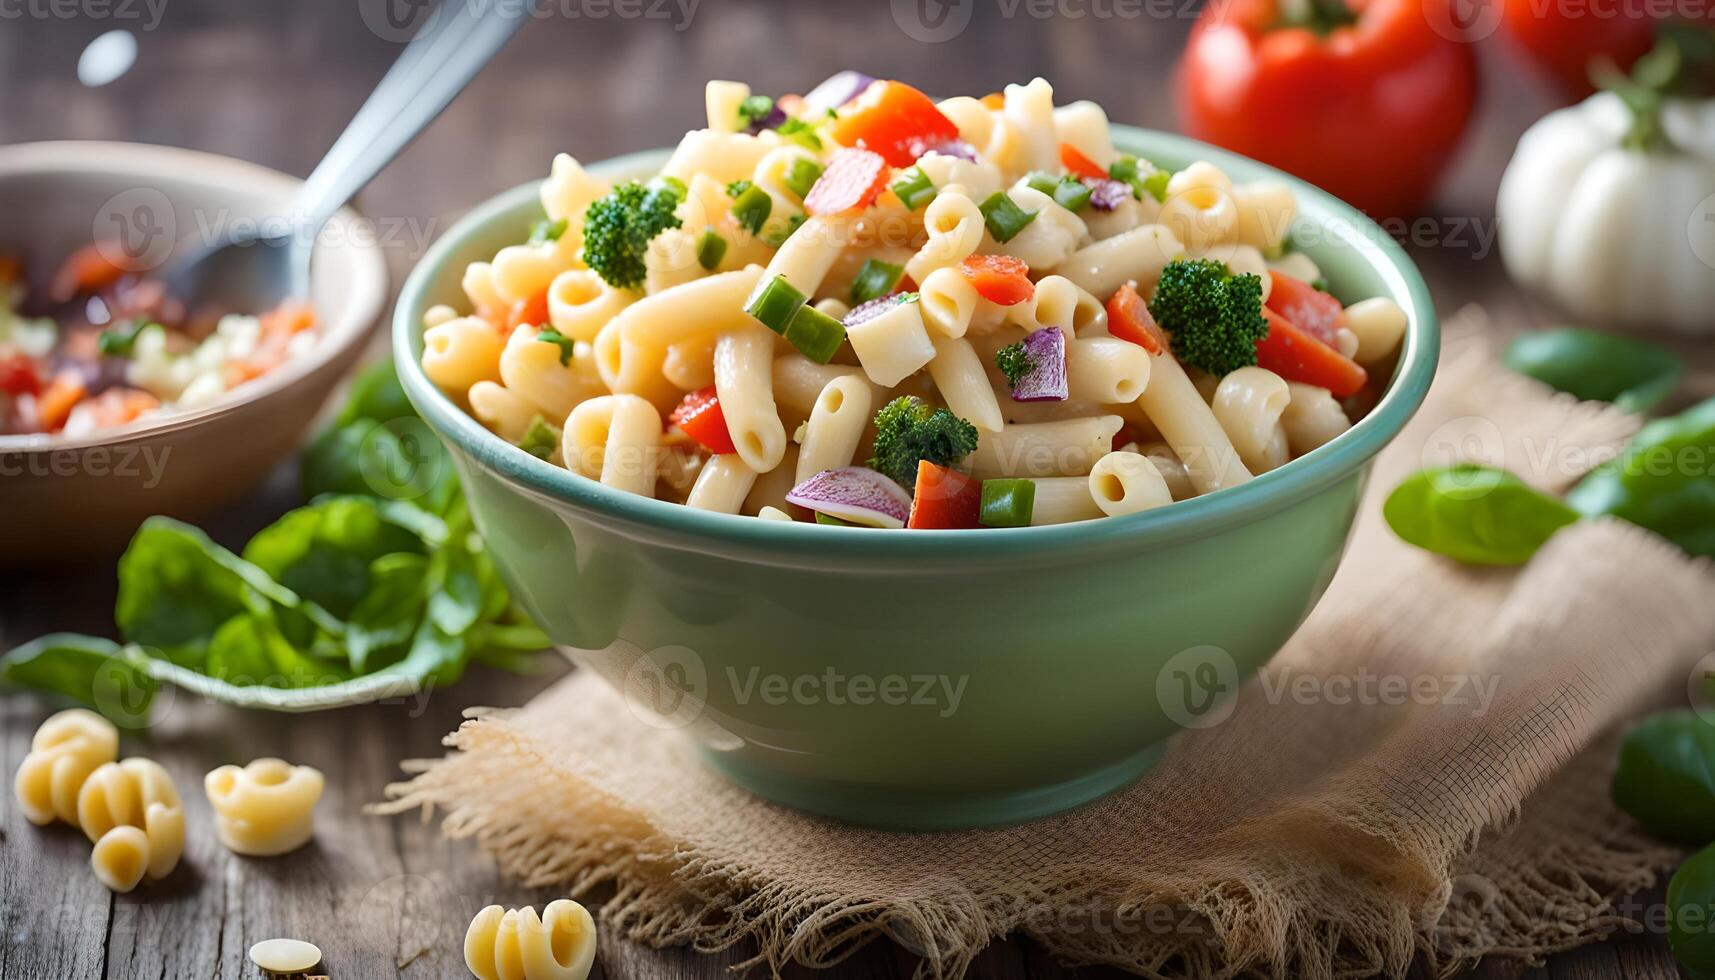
{"points": [[926, 679]]}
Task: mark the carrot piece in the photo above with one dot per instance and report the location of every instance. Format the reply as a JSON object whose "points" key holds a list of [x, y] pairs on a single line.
{"points": [[120, 406], [993, 100], [1297, 355], [60, 397], [529, 311], [1129, 319], [1000, 279], [894, 120], [853, 180], [1310, 309], [288, 318], [84, 271], [1079, 165], [945, 498]]}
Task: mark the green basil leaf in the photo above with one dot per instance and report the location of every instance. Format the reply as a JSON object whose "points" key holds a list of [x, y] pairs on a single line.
{"points": [[1474, 514], [1664, 481], [90, 670], [1666, 776], [456, 603], [382, 624], [1691, 904], [1633, 374], [323, 551]]}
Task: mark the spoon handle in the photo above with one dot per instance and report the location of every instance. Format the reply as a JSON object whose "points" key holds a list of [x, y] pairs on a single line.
{"points": [[461, 37]]}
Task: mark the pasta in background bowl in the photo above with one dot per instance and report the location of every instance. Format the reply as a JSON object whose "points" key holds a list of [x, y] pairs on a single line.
{"points": [[1042, 703]]}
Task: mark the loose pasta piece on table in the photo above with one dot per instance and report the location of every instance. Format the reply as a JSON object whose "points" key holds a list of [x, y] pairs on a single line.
{"points": [[264, 808], [64, 751], [515, 944], [135, 797]]}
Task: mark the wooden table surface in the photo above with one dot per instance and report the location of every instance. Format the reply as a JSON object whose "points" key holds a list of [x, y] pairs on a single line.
{"points": [[274, 82]]}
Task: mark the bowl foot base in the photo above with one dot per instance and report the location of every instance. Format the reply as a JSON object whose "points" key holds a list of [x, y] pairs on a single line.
{"points": [[890, 808]]}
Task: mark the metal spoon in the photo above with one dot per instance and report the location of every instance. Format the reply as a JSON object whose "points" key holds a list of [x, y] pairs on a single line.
{"points": [[257, 271]]}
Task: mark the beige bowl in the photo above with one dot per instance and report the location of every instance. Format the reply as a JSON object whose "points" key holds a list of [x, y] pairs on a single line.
{"points": [[63, 498]]}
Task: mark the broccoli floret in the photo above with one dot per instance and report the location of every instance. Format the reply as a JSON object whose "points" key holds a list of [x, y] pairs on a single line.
{"points": [[1013, 362], [619, 226], [1213, 317], [908, 429]]}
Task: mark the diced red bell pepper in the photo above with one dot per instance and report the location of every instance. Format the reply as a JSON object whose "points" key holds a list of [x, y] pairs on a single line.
{"points": [[1079, 165], [699, 416], [1310, 309], [1296, 355], [853, 180], [895, 120], [1000, 279], [944, 499], [1129, 319], [18, 375], [529, 311]]}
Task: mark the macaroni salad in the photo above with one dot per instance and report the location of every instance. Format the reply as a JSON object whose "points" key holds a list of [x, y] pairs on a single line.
{"points": [[861, 306]]}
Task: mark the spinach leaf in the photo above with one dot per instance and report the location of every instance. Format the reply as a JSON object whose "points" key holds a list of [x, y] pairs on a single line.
{"points": [[90, 670], [1666, 776], [1474, 514], [1691, 902], [1633, 374], [1664, 480], [323, 551]]}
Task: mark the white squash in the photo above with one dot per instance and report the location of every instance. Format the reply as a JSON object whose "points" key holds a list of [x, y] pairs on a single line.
{"points": [[1616, 235]]}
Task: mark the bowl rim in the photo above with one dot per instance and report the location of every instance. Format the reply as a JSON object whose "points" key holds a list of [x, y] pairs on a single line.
{"points": [[675, 525], [146, 161]]}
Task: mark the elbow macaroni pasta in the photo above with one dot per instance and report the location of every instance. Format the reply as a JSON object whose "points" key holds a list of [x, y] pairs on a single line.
{"points": [[64, 751], [132, 814], [265, 808], [748, 299]]}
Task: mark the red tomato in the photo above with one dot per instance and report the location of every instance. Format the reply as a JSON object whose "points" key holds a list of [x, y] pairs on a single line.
{"points": [[699, 416], [1310, 309], [895, 120], [853, 180], [1371, 110], [1564, 41], [1129, 319], [1079, 165], [18, 376], [1296, 355], [1000, 279], [944, 498]]}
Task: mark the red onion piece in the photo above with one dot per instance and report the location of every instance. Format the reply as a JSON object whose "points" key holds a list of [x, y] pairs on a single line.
{"points": [[837, 89], [773, 120], [951, 148], [1046, 379], [866, 311], [856, 494], [1105, 195]]}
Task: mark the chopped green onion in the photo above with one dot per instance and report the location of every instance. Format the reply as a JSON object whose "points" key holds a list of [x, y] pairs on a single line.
{"points": [[118, 343], [875, 280], [751, 208], [1072, 193], [1155, 185], [775, 302], [1319, 284], [914, 188], [822, 518], [802, 175], [540, 440], [1007, 503], [1067, 191], [547, 231], [711, 248], [1123, 169], [672, 184], [549, 335], [815, 334], [754, 107], [737, 187], [778, 236], [802, 133], [1004, 217]]}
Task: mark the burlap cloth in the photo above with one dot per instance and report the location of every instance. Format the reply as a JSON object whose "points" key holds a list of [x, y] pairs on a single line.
{"points": [[1318, 831]]}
